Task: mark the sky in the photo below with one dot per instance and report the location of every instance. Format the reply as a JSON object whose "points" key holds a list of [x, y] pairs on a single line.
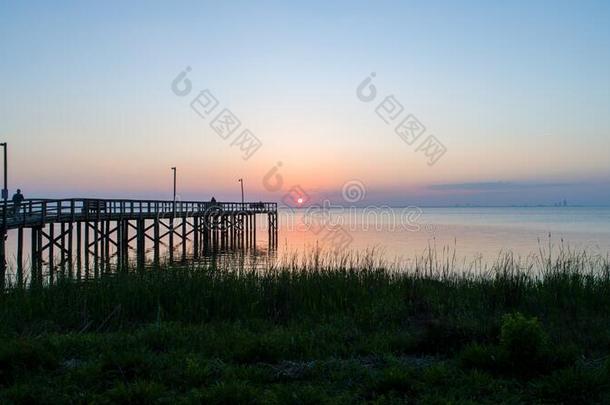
{"points": [[517, 95]]}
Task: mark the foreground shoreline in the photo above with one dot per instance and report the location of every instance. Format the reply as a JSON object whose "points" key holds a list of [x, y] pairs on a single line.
{"points": [[323, 334]]}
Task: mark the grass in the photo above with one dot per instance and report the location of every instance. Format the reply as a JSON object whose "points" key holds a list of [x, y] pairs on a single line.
{"points": [[319, 331]]}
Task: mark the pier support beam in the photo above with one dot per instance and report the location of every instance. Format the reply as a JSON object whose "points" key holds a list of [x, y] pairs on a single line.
{"points": [[196, 234], [184, 238], [79, 259], [207, 227], [156, 241], [20, 257], [141, 245], [3, 236]]}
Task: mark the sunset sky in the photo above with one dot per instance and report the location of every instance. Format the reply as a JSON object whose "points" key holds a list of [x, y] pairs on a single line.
{"points": [[519, 94]]}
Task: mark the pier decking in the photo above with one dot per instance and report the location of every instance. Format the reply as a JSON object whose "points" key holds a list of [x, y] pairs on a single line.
{"points": [[96, 232]]}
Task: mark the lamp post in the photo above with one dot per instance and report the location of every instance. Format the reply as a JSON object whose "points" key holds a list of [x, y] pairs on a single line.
{"points": [[3, 230], [241, 181], [174, 170], [171, 222], [5, 188]]}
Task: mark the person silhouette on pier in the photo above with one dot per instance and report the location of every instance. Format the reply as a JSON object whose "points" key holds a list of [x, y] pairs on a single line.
{"points": [[17, 200]]}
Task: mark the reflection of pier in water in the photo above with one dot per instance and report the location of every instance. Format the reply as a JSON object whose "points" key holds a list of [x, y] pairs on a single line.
{"points": [[76, 235]]}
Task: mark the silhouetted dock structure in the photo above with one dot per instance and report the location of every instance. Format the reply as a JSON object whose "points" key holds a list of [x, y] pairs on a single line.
{"points": [[82, 234]]}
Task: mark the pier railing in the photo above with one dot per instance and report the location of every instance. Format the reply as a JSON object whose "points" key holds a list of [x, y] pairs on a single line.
{"points": [[41, 211], [100, 233]]}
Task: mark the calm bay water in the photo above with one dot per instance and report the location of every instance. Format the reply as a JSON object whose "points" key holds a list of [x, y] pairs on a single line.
{"points": [[400, 235], [474, 233]]}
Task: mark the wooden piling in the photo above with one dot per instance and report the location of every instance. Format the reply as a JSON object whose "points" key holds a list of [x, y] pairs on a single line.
{"points": [[62, 248], [33, 255], [51, 253], [107, 247], [196, 237], [141, 245], [184, 238], [86, 248], [3, 236], [225, 226], [70, 250], [39, 256], [96, 250], [254, 230], [79, 260], [20, 257], [156, 241]]}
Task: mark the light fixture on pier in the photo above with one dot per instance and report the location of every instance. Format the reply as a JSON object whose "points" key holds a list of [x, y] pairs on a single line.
{"points": [[242, 190]]}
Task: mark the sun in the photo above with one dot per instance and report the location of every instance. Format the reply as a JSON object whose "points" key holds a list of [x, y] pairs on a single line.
{"points": [[300, 200]]}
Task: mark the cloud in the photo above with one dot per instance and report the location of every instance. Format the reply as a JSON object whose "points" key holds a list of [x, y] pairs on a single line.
{"points": [[494, 186]]}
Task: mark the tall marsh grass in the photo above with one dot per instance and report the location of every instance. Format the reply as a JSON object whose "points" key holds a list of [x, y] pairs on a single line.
{"points": [[567, 287], [317, 326]]}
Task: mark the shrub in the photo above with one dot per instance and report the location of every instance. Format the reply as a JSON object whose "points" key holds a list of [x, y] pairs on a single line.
{"points": [[523, 350], [522, 339], [482, 357], [524, 345]]}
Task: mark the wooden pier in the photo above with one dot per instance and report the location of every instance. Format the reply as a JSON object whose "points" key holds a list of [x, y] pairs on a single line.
{"points": [[79, 235]]}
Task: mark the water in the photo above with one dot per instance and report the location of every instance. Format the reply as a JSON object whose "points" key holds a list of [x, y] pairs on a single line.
{"points": [[474, 233], [400, 235]]}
